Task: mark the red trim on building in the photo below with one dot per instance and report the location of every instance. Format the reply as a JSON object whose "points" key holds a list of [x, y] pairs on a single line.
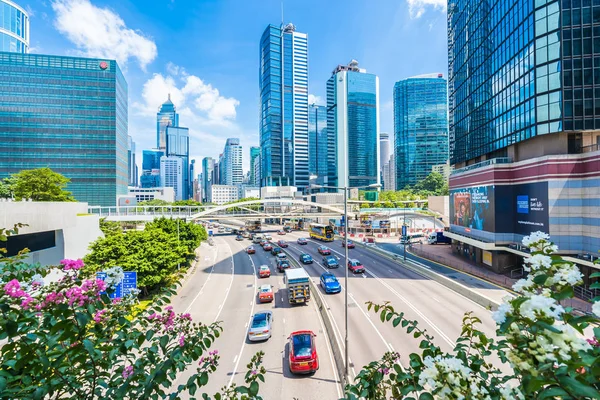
{"points": [[536, 170]]}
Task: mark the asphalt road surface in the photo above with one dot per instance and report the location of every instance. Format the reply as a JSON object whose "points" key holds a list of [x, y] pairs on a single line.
{"points": [[224, 288]]}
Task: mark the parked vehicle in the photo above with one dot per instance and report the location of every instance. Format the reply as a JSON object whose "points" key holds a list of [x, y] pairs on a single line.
{"points": [[330, 262], [303, 357], [437, 238], [355, 266], [329, 283], [324, 250], [282, 265], [302, 241], [296, 281], [264, 271], [306, 258], [265, 294], [350, 244], [260, 328]]}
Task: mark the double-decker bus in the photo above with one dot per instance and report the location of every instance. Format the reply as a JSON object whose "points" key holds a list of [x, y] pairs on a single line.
{"points": [[321, 232], [253, 226]]}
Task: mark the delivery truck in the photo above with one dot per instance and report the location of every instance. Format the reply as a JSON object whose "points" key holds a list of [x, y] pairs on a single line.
{"points": [[296, 282], [438, 238]]}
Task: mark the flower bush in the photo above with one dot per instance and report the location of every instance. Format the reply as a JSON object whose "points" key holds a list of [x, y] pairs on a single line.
{"points": [[552, 351], [69, 340]]}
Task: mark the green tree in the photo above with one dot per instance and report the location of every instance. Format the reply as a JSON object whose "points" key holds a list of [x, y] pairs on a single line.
{"points": [[41, 184], [7, 188], [110, 227], [190, 233], [434, 183]]}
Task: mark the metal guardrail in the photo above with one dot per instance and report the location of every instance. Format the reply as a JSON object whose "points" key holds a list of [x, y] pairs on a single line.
{"points": [[498, 160]]}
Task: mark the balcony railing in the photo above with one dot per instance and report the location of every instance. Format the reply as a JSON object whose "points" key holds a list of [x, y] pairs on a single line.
{"points": [[498, 160]]}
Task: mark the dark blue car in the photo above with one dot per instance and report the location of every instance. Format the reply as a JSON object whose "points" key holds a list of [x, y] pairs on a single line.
{"points": [[330, 262], [306, 259], [330, 284]]}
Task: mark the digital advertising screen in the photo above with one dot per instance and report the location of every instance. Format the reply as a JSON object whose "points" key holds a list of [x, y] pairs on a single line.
{"points": [[473, 208]]}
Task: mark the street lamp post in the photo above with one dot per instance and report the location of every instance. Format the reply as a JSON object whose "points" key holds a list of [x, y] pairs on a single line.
{"points": [[345, 189]]}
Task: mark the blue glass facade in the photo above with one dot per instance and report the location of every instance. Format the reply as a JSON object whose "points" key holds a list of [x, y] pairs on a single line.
{"points": [[254, 153], [166, 116], [353, 127], [151, 168], [14, 28], [283, 83], [317, 141], [178, 145], [420, 127], [68, 114]]}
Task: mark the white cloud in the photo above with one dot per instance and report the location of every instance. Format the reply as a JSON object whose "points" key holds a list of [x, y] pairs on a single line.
{"points": [[318, 100], [417, 8], [100, 32]]}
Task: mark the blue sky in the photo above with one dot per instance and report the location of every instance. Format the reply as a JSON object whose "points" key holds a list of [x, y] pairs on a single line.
{"points": [[205, 53]]}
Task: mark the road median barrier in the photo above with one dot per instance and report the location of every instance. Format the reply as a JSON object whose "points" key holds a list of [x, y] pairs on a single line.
{"points": [[336, 346], [451, 284]]}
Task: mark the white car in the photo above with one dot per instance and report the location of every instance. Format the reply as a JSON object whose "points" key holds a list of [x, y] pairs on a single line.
{"points": [[268, 237]]}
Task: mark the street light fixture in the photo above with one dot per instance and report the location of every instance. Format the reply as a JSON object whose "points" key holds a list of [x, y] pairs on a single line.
{"points": [[345, 189]]}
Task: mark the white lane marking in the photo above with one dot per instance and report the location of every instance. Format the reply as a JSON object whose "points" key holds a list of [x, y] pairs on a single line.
{"points": [[205, 282], [435, 299], [330, 351], [237, 363], [235, 358], [283, 320], [414, 308], [230, 283]]}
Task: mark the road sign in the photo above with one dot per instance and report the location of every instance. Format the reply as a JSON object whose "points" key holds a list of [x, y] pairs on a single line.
{"points": [[342, 221], [404, 230], [126, 286], [210, 233]]}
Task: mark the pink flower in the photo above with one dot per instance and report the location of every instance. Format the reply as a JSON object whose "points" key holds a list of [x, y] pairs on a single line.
{"points": [[186, 316], [594, 342], [127, 372], [13, 289], [72, 264], [26, 301], [181, 340], [99, 317]]}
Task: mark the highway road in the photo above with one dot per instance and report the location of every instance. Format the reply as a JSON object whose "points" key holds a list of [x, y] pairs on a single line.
{"points": [[224, 288], [438, 309]]}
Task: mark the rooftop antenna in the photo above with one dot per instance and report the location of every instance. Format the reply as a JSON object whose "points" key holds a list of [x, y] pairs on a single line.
{"points": [[281, 12]]}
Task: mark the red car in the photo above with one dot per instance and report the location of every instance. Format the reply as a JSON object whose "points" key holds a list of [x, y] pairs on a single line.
{"points": [[303, 358], [265, 294], [267, 247], [264, 271], [324, 250], [250, 250], [281, 232], [350, 244], [356, 266], [282, 243]]}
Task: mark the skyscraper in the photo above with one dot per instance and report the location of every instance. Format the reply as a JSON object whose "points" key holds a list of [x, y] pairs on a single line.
{"points": [[283, 83], [384, 155], [131, 165], [171, 174], [420, 127], [151, 169], [68, 114], [208, 165], [14, 28], [254, 153], [353, 126], [231, 172], [317, 142], [166, 116], [524, 120], [178, 145]]}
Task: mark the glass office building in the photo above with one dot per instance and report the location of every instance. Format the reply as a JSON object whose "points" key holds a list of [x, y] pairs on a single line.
{"points": [[178, 145], [166, 116], [283, 83], [14, 28], [68, 114], [254, 154], [151, 168], [317, 141], [231, 172], [420, 127], [208, 166], [353, 127]]}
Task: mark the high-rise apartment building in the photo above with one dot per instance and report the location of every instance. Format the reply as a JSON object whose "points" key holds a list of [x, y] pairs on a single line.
{"points": [[283, 83], [151, 169], [14, 28], [524, 115], [208, 166], [230, 163], [254, 153], [68, 114], [317, 142], [353, 127], [420, 127], [178, 145], [131, 164], [166, 116], [171, 174]]}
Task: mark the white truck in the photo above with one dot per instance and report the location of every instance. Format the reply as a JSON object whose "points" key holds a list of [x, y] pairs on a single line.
{"points": [[296, 281], [257, 238]]}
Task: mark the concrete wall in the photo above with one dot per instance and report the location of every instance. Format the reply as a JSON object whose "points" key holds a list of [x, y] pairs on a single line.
{"points": [[440, 204], [74, 229]]}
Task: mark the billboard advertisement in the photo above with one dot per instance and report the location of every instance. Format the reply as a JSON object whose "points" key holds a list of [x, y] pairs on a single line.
{"points": [[520, 209]]}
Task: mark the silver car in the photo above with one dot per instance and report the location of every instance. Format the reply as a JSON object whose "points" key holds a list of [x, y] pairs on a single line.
{"points": [[260, 327]]}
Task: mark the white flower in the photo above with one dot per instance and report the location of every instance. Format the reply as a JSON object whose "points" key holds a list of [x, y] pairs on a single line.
{"points": [[538, 261], [114, 276], [596, 308], [500, 314], [568, 274], [533, 241], [509, 393], [523, 285], [539, 305], [552, 248]]}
